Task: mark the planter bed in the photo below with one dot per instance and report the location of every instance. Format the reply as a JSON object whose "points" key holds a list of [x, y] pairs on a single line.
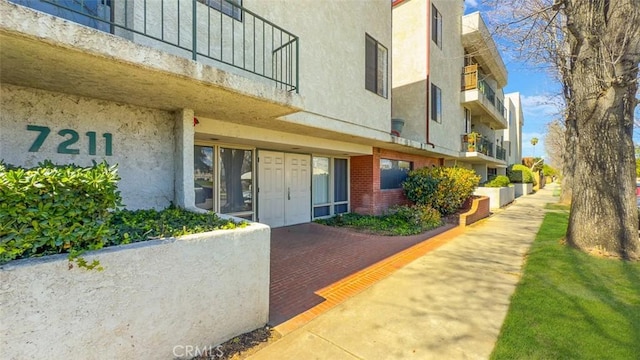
{"points": [[152, 299], [498, 196]]}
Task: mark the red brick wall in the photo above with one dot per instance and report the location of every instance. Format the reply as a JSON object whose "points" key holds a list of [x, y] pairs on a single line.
{"points": [[482, 211], [366, 195]]}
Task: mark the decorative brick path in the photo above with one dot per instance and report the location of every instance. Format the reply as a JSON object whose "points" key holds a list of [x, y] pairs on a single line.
{"points": [[315, 267]]}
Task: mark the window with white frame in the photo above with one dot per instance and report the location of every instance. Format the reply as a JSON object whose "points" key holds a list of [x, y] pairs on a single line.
{"points": [[224, 180], [330, 186], [375, 66], [436, 103], [436, 26]]}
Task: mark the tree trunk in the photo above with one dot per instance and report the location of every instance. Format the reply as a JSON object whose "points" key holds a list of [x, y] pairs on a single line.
{"points": [[569, 161], [604, 70]]}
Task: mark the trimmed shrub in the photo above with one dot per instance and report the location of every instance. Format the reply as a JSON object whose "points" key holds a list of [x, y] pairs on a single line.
{"points": [[498, 181], [520, 174], [54, 209], [443, 188], [423, 216], [51, 209]]}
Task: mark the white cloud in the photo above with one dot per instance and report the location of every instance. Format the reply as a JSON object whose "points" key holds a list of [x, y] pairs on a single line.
{"points": [[541, 106], [471, 3]]}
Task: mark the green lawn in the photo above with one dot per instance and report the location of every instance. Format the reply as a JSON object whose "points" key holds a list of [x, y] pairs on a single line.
{"points": [[570, 305], [552, 206]]}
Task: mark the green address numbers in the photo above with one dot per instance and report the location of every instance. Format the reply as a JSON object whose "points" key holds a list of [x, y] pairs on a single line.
{"points": [[70, 137]]}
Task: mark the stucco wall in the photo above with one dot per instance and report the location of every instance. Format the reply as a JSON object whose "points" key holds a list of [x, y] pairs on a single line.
{"points": [[410, 67], [332, 56], [142, 139], [446, 73], [498, 197], [515, 126], [522, 189], [151, 299]]}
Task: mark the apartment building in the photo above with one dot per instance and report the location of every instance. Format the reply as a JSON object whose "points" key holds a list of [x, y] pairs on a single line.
{"points": [[513, 135], [277, 112], [261, 110], [448, 78]]}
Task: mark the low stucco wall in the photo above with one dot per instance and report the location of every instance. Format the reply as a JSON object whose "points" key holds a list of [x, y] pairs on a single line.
{"points": [[498, 197], [153, 299], [522, 189]]}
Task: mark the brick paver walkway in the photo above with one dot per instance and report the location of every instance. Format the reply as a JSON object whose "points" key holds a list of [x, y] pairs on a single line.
{"points": [[309, 257]]}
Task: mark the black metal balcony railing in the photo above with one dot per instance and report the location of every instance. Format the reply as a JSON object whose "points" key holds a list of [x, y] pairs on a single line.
{"points": [[471, 80], [501, 153], [482, 146], [220, 30]]}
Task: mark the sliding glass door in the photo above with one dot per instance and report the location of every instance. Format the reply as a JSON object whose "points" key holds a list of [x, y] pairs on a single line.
{"points": [[330, 186], [224, 180]]}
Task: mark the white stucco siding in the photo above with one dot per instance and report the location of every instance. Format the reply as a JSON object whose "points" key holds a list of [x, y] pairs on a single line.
{"points": [[446, 72], [410, 68], [332, 55], [516, 120], [142, 139], [152, 300], [409, 42]]}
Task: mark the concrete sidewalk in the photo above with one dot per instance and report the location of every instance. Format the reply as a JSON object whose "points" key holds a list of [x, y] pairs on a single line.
{"points": [[448, 304]]}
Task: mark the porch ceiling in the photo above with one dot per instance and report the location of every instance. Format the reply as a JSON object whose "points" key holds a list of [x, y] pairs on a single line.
{"points": [[29, 62]]}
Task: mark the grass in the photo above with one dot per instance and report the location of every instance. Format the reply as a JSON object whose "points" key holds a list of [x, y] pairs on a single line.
{"points": [[570, 305], [552, 206]]}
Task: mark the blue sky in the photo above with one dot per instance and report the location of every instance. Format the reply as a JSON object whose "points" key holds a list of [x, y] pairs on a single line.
{"points": [[538, 93]]}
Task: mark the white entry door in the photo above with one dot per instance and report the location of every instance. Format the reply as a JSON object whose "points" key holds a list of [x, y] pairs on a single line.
{"points": [[297, 209], [284, 188]]}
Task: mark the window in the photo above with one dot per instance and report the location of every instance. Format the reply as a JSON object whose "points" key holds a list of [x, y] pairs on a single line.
{"points": [[203, 174], [375, 67], [393, 173], [330, 186], [467, 121], [227, 7], [96, 13], [436, 26], [224, 183], [236, 171], [491, 173], [436, 103]]}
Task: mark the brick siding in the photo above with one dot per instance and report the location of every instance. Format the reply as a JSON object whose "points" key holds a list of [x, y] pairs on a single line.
{"points": [[366, 195]]}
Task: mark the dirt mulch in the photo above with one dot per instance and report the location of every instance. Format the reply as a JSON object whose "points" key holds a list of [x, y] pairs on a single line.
{"points": [[242, 346]]}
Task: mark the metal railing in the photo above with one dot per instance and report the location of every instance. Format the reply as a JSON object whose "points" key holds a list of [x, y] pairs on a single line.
{"points": [[471, 81], [479, 145], [501, 153], [220, 30]]}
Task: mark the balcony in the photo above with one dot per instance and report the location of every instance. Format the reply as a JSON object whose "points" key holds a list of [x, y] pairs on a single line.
{"points": [[481, 150], [477, 40], [481, 99], [222, 31]]}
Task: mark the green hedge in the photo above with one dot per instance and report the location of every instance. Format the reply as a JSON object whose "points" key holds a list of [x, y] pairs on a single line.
{"points": [[443, 188], [51, 209], [54, 209], [520, 174], [498, 181]]}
